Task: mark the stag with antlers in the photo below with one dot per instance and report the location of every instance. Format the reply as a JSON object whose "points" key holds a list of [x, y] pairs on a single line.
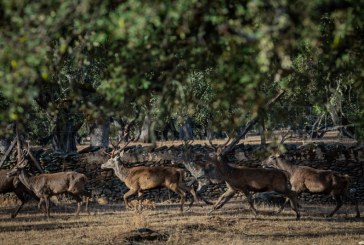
{"points": [[46, 185], [141, 178], [246, 180]]}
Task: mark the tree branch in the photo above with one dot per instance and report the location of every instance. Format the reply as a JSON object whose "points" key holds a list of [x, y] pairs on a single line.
{"points": [[250, 124]]}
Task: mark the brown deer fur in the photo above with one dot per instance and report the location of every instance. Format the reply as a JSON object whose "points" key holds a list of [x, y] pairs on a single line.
{"points": [[248, 180], [307, 179], [13, 184], [46, 185], [141, 178]]}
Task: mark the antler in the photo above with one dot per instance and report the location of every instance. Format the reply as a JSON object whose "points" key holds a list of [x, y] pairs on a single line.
{"points": [[22, 160], [125, 145], [115, 150], [105, 152], [186, 154], [115, 147], [226, 142], [285, 136], [212, 145]]}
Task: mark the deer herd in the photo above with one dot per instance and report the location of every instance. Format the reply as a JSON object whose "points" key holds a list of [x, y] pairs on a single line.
{"points": [[276, 174]]}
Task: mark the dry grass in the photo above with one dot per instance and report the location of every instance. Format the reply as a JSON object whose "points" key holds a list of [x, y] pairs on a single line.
{"points": [[234, 224]]}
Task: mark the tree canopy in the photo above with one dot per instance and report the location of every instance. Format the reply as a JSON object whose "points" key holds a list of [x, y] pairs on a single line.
{"points": [[216, 62]]}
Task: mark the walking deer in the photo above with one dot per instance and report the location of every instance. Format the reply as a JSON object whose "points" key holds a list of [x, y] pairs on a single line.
{"points": [[46, 185], [307, 179], [141, 178]]}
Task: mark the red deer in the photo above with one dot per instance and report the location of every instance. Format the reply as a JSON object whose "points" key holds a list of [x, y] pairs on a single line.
{"points": [[13, 184], [141, 178], [46, 185], [307, 179], [246, 180], [204, 173]]}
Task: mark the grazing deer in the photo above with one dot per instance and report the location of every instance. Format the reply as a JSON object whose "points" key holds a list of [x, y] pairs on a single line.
{"points": [[248, 180], [46, 185], [141, 178], [13, 184], [307, 179]]}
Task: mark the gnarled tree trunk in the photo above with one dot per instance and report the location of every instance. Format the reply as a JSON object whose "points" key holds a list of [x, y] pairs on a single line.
{"points": [[99, 135], [65, 132]]}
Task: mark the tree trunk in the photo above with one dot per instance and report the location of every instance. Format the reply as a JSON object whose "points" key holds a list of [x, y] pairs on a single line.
{"points": [[249, 125], [4, 144], [169, 131], [262, 131], [186, 131], [65, 132], [146, 135], [99, 135]]}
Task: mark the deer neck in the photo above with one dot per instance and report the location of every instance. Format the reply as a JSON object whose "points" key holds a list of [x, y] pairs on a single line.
{"points": [[121, 171], [284, 165], [223, 168], [195, 170], [25, 179]]}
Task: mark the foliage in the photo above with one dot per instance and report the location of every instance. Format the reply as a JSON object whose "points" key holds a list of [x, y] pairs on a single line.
{"points": [[215, 61]]}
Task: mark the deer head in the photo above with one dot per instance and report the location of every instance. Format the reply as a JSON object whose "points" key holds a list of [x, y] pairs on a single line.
{"points": [[271, 161], [20, 165], [115, 156], [218, 149]]}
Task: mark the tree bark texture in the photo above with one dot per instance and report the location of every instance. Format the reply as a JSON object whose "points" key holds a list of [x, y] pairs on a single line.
{"points": [[99, 135], [65, 132]]}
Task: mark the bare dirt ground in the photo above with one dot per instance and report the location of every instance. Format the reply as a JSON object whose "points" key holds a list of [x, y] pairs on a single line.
{"points": [[233, 224]]}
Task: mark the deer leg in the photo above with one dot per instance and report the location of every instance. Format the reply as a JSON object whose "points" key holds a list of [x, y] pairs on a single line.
{"points": [[22, 199], [283, 205], [354, 202], [128, 194], [87, 196], [250, 201], [41, 207], [139, 208], [292, 196], [78, 199], [224, 198], [15, 213], [200, 189], [46, 200], [180, 192], [195, 198], [339, 203]]}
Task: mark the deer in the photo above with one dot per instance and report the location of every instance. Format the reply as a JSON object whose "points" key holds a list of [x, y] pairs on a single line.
{"points": [[46, 185], [204, 173], [246, 180], [141, 178], [311, 180], [13, 184]]}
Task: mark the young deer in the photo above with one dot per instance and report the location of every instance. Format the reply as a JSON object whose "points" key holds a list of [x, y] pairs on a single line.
{"points": [[141, 178], [311, 180], [46, 185]]}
